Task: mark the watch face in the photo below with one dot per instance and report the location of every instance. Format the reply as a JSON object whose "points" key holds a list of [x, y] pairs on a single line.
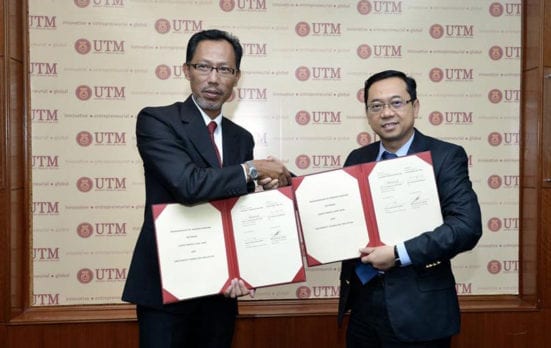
{"points": [[253, 173]]}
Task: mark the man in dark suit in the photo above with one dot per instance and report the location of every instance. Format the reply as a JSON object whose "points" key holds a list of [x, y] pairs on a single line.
{"points": [[182, 165], [409, 299]]}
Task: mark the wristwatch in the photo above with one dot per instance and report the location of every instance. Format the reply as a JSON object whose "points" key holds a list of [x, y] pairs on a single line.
{"points": [[397, 261], [253, 173]]}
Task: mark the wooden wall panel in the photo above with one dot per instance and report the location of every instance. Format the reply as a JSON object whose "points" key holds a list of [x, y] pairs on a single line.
{"points": [[532, 23]]}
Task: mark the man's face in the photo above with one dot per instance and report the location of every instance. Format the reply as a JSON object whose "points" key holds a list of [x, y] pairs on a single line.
{"points": [[212, 90], [394, 127]]}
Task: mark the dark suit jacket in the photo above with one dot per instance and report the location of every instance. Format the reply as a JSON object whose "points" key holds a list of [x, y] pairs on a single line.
{"points": [[180, 166], [421, 299]]}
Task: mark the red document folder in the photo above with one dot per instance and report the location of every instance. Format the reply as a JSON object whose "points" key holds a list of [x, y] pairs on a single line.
{"points": [[370, 204], [203, 247]]}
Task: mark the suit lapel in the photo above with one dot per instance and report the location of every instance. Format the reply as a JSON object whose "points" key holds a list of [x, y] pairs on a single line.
{"points": [[419, 143], [197, 132]]}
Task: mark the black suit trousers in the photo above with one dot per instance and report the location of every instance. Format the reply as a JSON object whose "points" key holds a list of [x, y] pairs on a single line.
{"points": [[206, 322]]}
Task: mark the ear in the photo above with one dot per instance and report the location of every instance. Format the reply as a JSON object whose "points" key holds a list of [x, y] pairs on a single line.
{"points": [[237, 77], [187, 71], [416, 107]]}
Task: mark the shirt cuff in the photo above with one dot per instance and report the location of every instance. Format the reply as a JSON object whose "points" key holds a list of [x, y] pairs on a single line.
{"points": [[403, 254]]}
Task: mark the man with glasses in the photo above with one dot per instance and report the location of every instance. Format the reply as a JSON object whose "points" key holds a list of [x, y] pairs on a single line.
{"points": [[404, 295], [191, 153]]}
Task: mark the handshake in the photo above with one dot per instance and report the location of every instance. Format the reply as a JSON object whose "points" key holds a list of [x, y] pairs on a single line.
{"points": [[269, 173]]}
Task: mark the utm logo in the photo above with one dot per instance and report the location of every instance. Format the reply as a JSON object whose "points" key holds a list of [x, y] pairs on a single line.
{"points": [[85, 230], [495, 139], [495, 96], [302, 117], [227, 5], [302, 161], [436, 118], [84, 184], [436, 31], [302, 73], [494, 267], [82, 3], [162, 72], [494, 181], [84, 138], [494, 224], [495, 53], [364, 51], [360, 95], [303, 292], [496, 9], [302, 29], [162, 26], [85, 275], [83, 92], [436, 74], [83, 46], [364, 7], [363, 138]]}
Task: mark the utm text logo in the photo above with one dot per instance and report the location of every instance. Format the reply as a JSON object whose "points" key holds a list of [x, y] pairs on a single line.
{"points": [[85, 92], [318, 161], [318, 73], [99, 46], [318, 29], [102, 229], [379, 7], [496, 224], [100, 3], [506, 138], [178, 26], [41, 22], [109, 138], [102, 184], [496, 96], [451, 31], [497, 9], [507, 52], [451, 75], [318, 117], [379, 51], [242, 5]]}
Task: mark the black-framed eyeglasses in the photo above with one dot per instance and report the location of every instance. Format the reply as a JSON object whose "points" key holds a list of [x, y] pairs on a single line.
{"points": [[205, 69], [394, 104]]}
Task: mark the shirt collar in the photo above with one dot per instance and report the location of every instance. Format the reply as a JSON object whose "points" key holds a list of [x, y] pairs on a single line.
{"points": [[206, 117], [402, 151]]}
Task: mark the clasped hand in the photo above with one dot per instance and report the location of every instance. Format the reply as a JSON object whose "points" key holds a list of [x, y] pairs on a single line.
{"points": [[237, 288], [381, 257], [272, 173]]}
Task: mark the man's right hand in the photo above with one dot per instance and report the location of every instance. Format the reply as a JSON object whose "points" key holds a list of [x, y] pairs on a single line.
{"points": [[274, 169]]}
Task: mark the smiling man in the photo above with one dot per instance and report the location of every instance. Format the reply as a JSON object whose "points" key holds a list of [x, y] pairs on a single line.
{"points": [[191, 153], [404, 295]]}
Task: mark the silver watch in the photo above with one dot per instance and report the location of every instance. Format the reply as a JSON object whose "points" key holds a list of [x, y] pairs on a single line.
{"points": [[253, 173]]}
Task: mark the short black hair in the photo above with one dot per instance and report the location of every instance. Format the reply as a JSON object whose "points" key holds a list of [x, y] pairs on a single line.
{"points": [[215, 35], [411, 85]]}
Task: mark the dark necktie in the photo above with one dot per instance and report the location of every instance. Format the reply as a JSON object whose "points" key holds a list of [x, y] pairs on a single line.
{"points": [[212, 126], [364, 270]]}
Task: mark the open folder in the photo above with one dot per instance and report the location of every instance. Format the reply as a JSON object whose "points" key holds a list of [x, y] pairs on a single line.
{"points": [[370, 204], [203, 247]]}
